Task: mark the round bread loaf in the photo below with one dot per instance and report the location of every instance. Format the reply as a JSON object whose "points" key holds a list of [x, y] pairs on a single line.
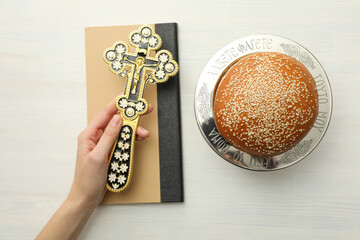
{"points": [[265, 103]]}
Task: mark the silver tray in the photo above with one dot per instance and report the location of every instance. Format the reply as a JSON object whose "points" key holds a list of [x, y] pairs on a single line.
{"points": [[207, 82]]}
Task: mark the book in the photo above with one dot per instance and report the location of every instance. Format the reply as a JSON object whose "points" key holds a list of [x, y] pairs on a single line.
{"points": [[157, 172]]}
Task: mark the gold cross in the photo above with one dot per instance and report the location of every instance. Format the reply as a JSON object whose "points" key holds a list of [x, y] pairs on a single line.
{"points": [[138, 69]]}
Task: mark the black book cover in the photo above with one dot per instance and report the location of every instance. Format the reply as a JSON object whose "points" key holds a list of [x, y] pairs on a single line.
{"points": [[170, 123]]}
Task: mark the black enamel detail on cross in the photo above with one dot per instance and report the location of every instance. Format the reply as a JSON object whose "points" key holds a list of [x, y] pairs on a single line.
{"points": [[119, 169]]}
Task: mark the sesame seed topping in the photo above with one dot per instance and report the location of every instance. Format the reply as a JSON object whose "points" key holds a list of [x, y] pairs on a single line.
{"points": [[268, 101]]}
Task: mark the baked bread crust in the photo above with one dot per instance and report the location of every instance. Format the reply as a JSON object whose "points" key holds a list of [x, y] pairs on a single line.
{"points": [[265, 103]]}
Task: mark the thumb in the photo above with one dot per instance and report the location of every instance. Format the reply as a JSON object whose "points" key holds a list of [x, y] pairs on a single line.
{"points": [[109, 136]]}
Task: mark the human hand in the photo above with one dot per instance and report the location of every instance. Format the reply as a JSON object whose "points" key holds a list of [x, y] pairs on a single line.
{"points": [[88, 188], [94, 146]]}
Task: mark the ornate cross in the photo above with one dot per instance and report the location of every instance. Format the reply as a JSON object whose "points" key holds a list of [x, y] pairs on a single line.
{"points": [[137, 69]]}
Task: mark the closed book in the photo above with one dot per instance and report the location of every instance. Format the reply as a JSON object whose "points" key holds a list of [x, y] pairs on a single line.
{"points": [[157, 170]]}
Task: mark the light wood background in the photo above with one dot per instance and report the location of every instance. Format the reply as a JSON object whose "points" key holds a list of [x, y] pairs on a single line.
{"points": [[43, 108]]}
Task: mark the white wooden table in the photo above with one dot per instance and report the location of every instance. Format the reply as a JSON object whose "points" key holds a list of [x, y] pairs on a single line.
{"points": [[43, 108]]}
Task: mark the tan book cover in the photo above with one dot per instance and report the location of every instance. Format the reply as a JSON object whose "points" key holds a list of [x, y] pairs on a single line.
{"points": [[102, 86]]}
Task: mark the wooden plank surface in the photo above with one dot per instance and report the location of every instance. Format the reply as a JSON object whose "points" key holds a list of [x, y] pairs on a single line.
{"points": [[43, 108]]}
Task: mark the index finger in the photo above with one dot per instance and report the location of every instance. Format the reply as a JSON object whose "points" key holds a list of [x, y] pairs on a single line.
{"points": [[102, 119]]}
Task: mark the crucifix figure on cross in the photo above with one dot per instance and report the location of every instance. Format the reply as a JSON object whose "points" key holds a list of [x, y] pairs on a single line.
{"points": [[138, 69]]}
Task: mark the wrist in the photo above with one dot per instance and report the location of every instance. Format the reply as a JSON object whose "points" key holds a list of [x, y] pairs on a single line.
{"points": [[79, 204], [68, 221]]}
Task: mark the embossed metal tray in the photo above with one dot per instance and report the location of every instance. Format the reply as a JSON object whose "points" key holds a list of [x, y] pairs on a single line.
{"points": [[221, 61]]}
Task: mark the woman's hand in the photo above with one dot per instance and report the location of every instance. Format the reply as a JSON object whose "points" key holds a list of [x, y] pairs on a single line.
{"points": [[88, 188], [94, 146]]}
